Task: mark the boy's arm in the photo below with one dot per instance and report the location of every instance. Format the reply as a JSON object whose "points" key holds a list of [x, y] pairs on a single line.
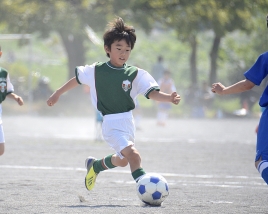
{"points": [[163, 97], [72, 83], [243, 85], [15, 97]]}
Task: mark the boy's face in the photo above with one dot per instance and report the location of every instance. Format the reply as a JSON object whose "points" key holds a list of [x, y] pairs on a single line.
{"points": [[0, 53], [119, 52]]}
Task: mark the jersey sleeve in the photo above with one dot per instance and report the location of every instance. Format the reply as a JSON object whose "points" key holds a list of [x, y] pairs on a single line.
{"points": [[84, 74], [145, 83], [10, 87], [259, 70]]}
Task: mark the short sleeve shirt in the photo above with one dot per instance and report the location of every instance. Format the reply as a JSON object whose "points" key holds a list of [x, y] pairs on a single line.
{"points": [[114, 90], [257, 73], [6, 86]]}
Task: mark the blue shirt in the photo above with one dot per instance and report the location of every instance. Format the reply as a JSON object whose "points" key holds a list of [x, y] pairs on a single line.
{"points": [[257, 73]]}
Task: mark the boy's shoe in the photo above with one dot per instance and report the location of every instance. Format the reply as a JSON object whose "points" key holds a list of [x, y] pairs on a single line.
{"points": [[91, 176]]}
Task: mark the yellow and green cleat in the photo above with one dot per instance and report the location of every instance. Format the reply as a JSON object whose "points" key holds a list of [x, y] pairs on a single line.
{"points": [[91, 176]]}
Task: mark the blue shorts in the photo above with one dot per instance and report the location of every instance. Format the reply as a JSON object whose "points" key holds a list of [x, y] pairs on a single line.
{"points": [[262, 137]]}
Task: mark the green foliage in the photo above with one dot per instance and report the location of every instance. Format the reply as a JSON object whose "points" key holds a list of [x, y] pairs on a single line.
{"points": [[165, 28], [44, 59], [18, 69]]}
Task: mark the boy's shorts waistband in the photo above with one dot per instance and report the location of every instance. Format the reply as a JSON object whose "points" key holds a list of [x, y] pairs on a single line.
{"points": [[118, 116]]}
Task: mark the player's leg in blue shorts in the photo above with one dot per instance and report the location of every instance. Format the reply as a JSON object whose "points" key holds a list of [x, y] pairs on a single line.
{"points": [[262, 146]]}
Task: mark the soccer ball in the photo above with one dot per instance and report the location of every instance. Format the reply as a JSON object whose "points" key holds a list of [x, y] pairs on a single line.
{"points": [[152, 189]]}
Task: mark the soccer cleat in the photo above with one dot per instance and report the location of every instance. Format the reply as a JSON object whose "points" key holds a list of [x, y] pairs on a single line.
{"points": [[91, 176]]}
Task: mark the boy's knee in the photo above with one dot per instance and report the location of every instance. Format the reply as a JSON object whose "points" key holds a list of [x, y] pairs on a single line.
{"points": [[257, 163], [131, 154], [123, 162], [2, 149], [263, 169], [134, 153]]}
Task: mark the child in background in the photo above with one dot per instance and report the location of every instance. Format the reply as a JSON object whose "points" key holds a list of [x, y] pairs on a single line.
{"points": [[114, 87], [166, 85], [6, 90]]}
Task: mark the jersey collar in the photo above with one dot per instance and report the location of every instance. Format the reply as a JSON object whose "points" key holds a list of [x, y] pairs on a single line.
{"points": [[117, 68]]}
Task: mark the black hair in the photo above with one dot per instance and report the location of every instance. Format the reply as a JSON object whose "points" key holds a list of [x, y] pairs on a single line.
{"points": [[118, 30], [160, 58], [167, 72]]}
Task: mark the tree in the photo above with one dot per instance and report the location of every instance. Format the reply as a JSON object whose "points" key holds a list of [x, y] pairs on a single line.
{"points": [[181, 16], [67, 18], [224, 17], [190, 18]]}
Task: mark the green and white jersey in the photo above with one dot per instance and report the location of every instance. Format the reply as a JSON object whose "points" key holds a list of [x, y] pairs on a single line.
{"points": [[5, 85], [114, 90]]}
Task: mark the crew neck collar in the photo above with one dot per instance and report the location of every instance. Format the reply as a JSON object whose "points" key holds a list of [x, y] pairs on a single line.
{"points": [[114, 67]]}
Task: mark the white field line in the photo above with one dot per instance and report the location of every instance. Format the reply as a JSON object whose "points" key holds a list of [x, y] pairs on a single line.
{"points": [[91, 136], [227, 181], [127, 172]]}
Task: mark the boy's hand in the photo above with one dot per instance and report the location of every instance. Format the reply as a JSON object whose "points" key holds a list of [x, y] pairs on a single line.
{"points": [[217, 88], [52, 99], [19, 100], [175, 98]]}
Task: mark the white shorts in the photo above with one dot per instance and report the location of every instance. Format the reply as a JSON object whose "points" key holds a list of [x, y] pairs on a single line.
{"points": [[2, 136], [119, 131]]}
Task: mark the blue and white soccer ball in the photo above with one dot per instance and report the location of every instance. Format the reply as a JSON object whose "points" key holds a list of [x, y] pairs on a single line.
{"points": [[152, 189]]}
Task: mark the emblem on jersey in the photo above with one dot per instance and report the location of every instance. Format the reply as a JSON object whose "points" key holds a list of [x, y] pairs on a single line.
{"points": [[3, 87], [126, 85]]}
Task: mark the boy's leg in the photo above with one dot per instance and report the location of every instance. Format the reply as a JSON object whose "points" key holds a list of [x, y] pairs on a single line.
{"points": [[94, 167], [91, 176], [263, 170], [261, 160], [2, 148], [118, 132], [134, 160], [104, 164], [2, 138]]}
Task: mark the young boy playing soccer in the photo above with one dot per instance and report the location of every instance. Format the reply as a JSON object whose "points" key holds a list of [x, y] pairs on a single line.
{"points": [[254, 76], [6, 90], [114, 86]]}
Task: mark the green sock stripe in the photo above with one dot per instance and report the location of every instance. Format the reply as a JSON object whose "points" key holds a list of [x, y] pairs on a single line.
{"points": [[137, 173], [98, 164], [108, 162]]}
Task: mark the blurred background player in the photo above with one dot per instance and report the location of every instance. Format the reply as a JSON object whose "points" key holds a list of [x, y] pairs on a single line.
{"points": [[254, 76], [166, 85], [6, 90], [199, 99], [158, 68]]}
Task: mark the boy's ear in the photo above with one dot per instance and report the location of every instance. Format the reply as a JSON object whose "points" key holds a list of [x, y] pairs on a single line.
{"points": [[0, 53], [106, 48]]}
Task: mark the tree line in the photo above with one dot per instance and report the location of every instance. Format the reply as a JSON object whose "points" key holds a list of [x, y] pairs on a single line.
{"points": [[189, 18]]}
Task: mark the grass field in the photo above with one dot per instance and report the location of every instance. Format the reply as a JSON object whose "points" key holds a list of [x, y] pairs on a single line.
{"points": [[209, 165]]}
